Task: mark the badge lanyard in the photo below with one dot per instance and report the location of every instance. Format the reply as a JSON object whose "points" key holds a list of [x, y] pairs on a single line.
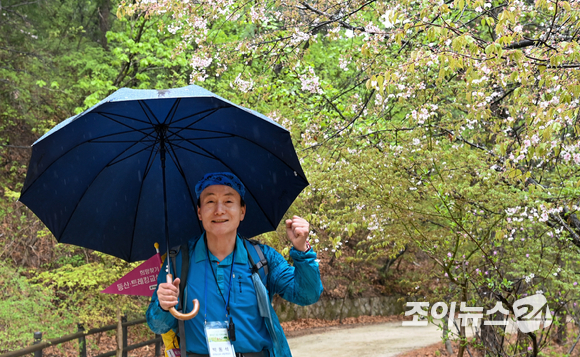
{"points": [[231, 327]]}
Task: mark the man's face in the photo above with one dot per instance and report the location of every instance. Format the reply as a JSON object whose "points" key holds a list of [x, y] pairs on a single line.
{"points": [[220, 210]]}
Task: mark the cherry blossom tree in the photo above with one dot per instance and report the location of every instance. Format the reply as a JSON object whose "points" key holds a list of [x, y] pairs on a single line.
{"points": [[451, 125]]}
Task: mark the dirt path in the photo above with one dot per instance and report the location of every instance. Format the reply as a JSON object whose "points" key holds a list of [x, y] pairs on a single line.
{"points": [[380, 340]]}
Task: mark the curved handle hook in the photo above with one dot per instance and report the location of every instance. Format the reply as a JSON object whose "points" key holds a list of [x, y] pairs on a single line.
{"points": [[178, 315]]}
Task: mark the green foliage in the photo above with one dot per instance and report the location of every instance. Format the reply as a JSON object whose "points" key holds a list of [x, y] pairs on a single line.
{"points": [[26, 308], [55, 301], [79, 284], [447, 127]]}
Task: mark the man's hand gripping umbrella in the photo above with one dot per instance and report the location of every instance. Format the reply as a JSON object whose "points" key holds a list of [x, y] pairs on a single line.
{"points": [[168, 293]]}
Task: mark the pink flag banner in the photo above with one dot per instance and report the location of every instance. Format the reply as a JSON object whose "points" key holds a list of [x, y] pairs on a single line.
{"points": [[139, 281]]}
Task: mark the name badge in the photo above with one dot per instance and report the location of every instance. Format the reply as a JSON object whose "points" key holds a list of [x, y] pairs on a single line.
{"points": [[175, 352], [218, 341]]}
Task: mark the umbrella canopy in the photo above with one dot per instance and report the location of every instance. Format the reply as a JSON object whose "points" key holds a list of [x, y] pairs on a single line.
{"points": [[120, 176]]}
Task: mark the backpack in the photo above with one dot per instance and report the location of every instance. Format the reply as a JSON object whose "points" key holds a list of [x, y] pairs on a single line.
{"points": [[254, 255]]}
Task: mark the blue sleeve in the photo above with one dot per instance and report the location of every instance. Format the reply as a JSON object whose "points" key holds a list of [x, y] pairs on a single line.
{"points": [[159, 321], [299, 284]]}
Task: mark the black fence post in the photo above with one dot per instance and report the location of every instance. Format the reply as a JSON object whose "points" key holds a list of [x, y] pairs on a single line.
{"points": [[125, 344], [82, 342], [37, 340], [157, 347]]}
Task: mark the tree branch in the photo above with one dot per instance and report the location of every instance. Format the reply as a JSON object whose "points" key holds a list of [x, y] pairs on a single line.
{"points": [[22, 4], [470, 143], [503, 96], [127, 65], [338, 19], [521, 44], [573, 234], [16, 146]]}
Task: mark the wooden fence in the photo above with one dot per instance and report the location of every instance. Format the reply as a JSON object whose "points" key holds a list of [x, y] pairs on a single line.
{"points": [[38, 345]]}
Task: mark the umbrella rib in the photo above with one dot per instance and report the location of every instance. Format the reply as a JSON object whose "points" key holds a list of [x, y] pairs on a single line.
{"points": [[127, 125], [235, 173], [209, 156], [122, 116], [87, 189], [95, 140], [148, 169], [126, 157], [148, 166], [172, 111], [122, 141], [114, 134], [224, 136], [143, 103], [212, 110], [180, 169]]}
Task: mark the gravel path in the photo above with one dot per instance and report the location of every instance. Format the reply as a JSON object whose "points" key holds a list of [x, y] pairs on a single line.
{"points": [[380, 340]]}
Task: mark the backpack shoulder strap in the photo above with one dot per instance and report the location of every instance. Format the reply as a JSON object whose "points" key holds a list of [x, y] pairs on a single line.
{"points": [[173, 252], [263, 263], [184, 271], [259, 262], [182, 282]]}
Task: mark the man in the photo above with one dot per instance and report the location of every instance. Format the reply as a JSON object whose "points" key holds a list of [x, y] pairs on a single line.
{"points": [[220, 277]]}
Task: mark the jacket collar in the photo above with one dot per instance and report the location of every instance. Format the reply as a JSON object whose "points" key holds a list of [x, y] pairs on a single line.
{"points": [[240, 253]]}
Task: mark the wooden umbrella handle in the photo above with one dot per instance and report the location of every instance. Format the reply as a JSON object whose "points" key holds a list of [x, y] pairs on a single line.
{"points": [[178, 315]]}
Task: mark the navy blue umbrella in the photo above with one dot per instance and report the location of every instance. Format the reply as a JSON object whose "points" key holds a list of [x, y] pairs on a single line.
{"points": [[120, 176]]}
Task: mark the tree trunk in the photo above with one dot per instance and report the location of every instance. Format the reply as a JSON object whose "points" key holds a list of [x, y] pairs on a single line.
{"points": [[560, 337], [448, 346], [104, 20], [461, 350], [491, 335]]}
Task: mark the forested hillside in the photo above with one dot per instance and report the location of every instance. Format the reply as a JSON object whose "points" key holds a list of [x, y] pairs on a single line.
{"points": [[440, 139]]}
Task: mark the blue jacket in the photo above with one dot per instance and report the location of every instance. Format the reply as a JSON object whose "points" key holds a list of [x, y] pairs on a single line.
{"points": [[299, 284]]}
